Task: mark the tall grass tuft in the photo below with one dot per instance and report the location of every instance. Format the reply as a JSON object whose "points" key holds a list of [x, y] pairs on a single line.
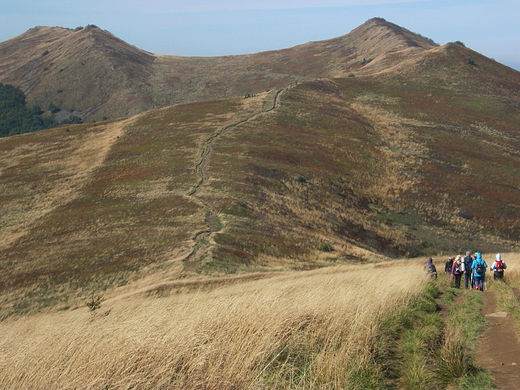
{"points": [[454, 359], [464, 324], [508, 291]]}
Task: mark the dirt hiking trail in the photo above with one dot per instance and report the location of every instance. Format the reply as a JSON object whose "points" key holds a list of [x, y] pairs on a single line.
{"points": [[202, 239], [498, 350]]}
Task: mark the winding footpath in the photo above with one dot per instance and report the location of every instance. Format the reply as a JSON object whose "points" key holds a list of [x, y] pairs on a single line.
{"points": [[201, 168], [201, 238]]}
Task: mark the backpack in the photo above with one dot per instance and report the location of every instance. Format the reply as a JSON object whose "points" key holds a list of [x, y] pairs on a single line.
{"points": [[499, 266], [458, 267], [467, 263], [481, 270], [432, 271]]}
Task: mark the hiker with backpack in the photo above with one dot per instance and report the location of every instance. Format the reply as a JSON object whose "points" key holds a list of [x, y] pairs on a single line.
{"points": [[479, 267], [468, 260], [430, 269], [457, 271], [498, 267]]}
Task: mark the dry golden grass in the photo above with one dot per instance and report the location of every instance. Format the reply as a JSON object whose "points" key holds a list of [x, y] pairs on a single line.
{"points": [[293, 330], [513, 264], [508, 292], [399, 148], [70, 160]]}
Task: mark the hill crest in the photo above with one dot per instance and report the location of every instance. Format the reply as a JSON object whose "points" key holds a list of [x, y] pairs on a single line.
{"points": [[92, 74], [279, 164]]}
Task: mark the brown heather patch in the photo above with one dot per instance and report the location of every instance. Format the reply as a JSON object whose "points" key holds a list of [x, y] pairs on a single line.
{"points": [[420, 159], [131, 209], [464, 152], [46, 170]]}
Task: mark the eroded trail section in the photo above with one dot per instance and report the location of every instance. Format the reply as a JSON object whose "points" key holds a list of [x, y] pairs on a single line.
{"points": [[202, 238], [499, 350]]}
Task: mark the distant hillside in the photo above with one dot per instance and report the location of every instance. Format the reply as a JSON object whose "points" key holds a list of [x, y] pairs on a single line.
{"points": [[91, 74], [413, 151], [87, 71]]}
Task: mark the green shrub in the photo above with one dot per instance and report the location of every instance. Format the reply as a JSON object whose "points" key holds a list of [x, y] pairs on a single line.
{"points": [[15, 117], [326, 248], [53, 108], [95, 302]]}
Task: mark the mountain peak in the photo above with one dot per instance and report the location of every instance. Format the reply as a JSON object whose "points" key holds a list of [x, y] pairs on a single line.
{"points": [[100, 76], [376, 20], [375, 26]]}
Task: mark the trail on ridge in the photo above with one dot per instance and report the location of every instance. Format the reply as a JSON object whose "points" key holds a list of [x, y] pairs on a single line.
{"points": [[201, 238]]}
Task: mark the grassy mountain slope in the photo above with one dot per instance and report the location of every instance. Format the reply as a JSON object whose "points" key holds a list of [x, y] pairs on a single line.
{"points": [[86, 71], [351, 161], [291, 330], [105, 197], [92, 74], [415, 152], [354, 165]]}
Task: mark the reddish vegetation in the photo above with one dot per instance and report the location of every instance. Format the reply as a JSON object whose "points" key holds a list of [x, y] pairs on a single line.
{"points": [[417, 153]]}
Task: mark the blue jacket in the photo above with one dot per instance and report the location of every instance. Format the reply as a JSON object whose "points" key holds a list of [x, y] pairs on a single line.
{"points": [[478, 260]]}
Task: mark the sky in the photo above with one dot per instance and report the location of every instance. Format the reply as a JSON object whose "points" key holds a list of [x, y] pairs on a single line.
{"points": [[229, 27]]}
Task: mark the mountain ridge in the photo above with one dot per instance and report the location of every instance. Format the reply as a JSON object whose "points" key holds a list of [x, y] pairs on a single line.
{"points": [[55, 65], [411, 153]]}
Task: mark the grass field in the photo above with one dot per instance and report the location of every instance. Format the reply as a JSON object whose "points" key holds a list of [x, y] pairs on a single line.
{"points": [[248, 236], [365, 326], [358, 165], [307, 329]]}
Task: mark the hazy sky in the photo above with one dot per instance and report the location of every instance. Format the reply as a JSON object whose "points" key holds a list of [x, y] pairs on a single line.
{"points": [[225, 27]]}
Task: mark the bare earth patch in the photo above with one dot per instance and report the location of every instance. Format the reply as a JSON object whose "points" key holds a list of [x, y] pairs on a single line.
{"points": [[499, 350]]}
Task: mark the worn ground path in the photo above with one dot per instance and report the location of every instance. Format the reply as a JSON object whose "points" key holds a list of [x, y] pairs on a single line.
{"points": [[201, 239], [498, 350]]}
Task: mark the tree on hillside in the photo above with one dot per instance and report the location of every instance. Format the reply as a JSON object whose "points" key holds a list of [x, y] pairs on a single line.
{"points": [[16, 117]]}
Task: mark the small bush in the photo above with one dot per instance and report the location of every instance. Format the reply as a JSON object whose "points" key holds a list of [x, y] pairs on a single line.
{"points": [[53, 108], [95, 302], [326, 248]]}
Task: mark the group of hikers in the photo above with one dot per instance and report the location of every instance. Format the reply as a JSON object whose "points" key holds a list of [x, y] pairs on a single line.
{"points": [[472, 267]]}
